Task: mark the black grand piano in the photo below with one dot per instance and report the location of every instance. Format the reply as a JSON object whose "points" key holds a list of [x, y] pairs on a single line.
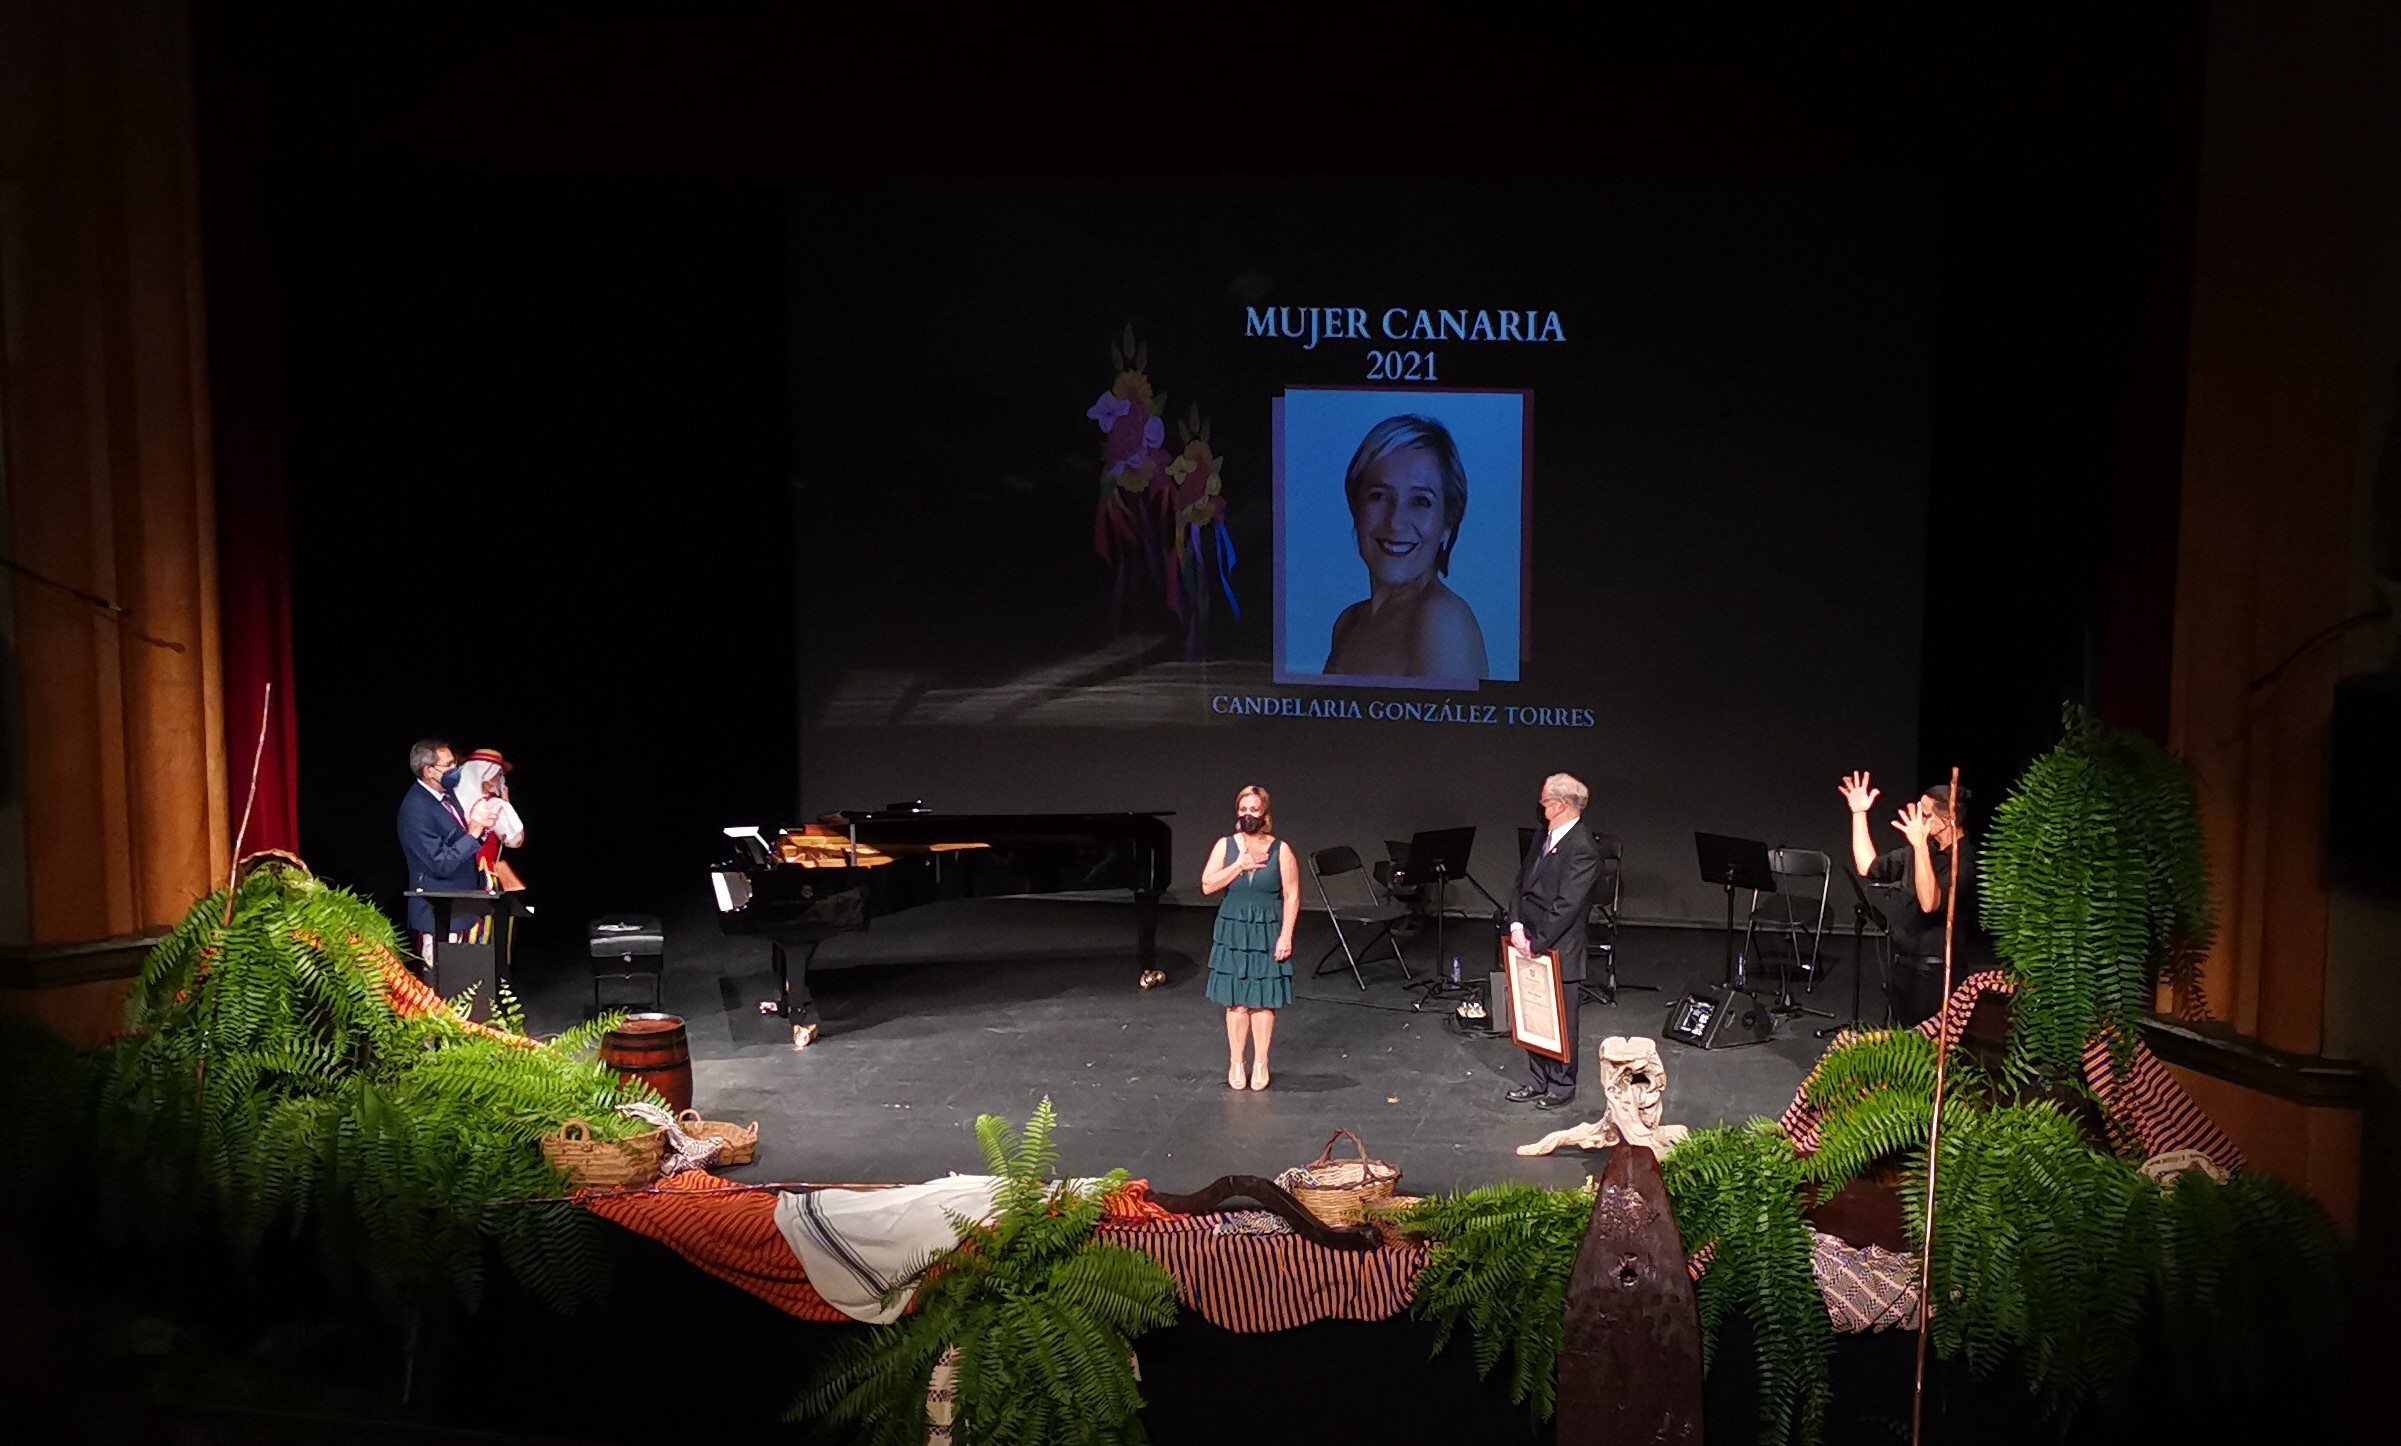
{"points": [[798, 887]]}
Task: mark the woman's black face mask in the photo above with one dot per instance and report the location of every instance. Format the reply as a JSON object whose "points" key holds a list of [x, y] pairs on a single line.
{"points": [[1249, 822]]}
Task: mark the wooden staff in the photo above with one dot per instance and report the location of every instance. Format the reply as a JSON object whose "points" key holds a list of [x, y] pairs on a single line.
{"points": [[233, 871], [1942, 1060]]}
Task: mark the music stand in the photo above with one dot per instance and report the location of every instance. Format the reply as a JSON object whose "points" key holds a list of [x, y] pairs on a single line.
{"points": [[1701, 1018], [1441, 855], [1734, 863], [1862, 914]]}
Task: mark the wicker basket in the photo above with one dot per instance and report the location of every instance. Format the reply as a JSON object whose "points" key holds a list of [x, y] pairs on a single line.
{"points": [[741, 1141], [1337, 1192], [1385, 1215], [597, 1164]]}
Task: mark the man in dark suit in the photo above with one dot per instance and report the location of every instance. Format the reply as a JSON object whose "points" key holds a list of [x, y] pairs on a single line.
{"points": [[439, 838], [1554, 895]]}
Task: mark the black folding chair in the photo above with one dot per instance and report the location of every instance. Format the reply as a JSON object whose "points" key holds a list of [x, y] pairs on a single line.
{"points": [[1795, 913], [1376, 912], [1608, 911]]}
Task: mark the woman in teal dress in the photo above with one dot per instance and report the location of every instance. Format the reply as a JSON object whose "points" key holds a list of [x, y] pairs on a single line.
{"points": [[1250, 965]]}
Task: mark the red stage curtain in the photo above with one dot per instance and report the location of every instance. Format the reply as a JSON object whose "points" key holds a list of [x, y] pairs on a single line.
{"points": [[254, 558], [254, 611]]}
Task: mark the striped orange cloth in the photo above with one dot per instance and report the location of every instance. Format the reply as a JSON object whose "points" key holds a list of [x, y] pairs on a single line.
{"points": [[725, 1230], [1256, 1283], [2147, 1111], [413, 998], [1133, 1203], [729, 1231]]}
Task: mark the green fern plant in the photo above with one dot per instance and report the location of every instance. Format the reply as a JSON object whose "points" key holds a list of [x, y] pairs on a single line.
{"points": [[1499, 1265], [2052, 1260], [1502, 1256], [2251, 1301], [2065, 1260], [1868, 1062], [1737, 1194], [508, 1011], [265, 1084], [2045, 1253], [1043, 1317], [2095, 884], [1876, 1095]]}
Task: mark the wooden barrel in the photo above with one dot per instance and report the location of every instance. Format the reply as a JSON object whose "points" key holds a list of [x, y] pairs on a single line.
{"points": [[652, 1049]]}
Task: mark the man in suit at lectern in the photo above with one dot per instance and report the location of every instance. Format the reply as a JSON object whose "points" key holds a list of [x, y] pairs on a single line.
{"points": [[1554, 891], [439, 838]]}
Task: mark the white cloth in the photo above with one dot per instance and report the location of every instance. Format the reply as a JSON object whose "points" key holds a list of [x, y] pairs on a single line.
{"points": [[477, 780], [858, 1244], [1558, 831]]}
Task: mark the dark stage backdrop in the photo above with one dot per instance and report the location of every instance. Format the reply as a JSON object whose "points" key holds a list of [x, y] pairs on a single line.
{"points": [[539, 488], [1042, 429]]}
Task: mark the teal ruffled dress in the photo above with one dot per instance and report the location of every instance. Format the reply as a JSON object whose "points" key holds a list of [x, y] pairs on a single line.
{"points": [[1243, 969]]}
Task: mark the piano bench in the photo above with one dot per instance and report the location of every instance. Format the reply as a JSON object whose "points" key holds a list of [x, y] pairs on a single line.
{"points": [[628, 946]]}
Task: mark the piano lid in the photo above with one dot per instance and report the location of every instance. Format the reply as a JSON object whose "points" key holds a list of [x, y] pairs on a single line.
{"points": [[1000, 823], [996, 853], [818, 847]]}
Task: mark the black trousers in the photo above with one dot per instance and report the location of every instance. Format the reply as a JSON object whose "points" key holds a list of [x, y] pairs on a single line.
{"points": [[1916, 989], [1549, 1075]]}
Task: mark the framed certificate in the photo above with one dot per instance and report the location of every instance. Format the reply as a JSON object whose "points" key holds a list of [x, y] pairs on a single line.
{"points": [[1537, 1002]]}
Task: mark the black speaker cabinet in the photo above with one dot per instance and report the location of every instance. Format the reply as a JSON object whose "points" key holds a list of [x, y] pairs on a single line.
{"points": [[1718, 1017], [458, 968]]}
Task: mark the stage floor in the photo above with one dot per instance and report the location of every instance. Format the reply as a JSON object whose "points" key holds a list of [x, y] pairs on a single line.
{"points": [[944, 1013]]}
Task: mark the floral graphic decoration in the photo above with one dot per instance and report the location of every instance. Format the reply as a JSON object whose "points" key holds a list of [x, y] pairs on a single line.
{"points": [[1160, 521]]}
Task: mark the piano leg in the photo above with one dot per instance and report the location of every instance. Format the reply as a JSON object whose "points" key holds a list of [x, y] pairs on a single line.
{"points": [[1146, 937], [803, 1019]]}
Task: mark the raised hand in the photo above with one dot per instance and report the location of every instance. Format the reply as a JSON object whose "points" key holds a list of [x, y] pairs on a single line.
{"points": [[1856, 792], [1914, 824]]}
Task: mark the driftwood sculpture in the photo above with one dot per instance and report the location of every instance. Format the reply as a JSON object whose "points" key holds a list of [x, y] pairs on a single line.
{"points": [[1634, 1094], [1630, 1358]]}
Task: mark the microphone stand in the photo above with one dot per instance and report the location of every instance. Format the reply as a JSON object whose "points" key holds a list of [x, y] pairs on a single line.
{"points": [[1735, 978], [1862, 914], [1787, 1007], [1440, 985], [1858, 971]]}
